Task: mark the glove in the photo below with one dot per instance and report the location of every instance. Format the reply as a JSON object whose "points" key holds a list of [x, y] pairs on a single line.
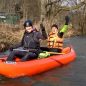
{"points": [[42, 27], [67, 19]]}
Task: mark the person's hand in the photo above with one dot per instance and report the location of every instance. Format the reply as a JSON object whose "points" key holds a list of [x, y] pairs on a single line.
{"points": [[42, 27], [67, 19]]}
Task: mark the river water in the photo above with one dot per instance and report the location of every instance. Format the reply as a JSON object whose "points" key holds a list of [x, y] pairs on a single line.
{"points": [[73, 74]]}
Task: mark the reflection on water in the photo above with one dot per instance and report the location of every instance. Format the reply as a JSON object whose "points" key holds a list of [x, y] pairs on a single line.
{"points": [[73, 74]]}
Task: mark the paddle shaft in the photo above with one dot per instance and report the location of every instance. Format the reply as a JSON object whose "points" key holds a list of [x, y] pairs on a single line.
{"points": [[55, 53]]}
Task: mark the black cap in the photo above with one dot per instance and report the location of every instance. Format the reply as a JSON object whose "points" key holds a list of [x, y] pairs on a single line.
{"points": [[28, 23]]}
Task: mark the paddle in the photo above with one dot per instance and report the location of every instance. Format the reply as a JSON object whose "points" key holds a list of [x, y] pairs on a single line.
{"points": [[55, 53]]}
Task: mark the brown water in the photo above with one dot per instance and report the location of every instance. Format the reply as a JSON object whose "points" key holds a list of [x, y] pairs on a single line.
{"points": [[73, 74]]}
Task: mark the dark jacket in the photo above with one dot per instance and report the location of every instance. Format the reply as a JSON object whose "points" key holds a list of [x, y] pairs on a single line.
{"points": [[31, 40]]}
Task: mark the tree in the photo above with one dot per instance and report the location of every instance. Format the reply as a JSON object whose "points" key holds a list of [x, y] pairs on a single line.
{"points": [[54, 10]]}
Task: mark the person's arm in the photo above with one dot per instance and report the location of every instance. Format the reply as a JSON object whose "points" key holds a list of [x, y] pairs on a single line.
{"points": [[15, 46], [64, 28], [44, 34]]}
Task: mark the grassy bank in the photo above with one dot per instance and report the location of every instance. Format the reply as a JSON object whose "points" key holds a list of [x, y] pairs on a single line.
{"points": [[9, 37]]}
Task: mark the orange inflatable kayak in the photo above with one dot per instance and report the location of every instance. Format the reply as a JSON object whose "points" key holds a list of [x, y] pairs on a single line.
{"points": [[33, 67]]}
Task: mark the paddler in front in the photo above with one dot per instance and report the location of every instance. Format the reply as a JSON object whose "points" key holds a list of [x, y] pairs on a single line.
{"points": [[30, 41]]}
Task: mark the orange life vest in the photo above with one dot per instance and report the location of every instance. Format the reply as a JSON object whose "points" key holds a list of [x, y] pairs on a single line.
{"points": [[54, 41]]}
